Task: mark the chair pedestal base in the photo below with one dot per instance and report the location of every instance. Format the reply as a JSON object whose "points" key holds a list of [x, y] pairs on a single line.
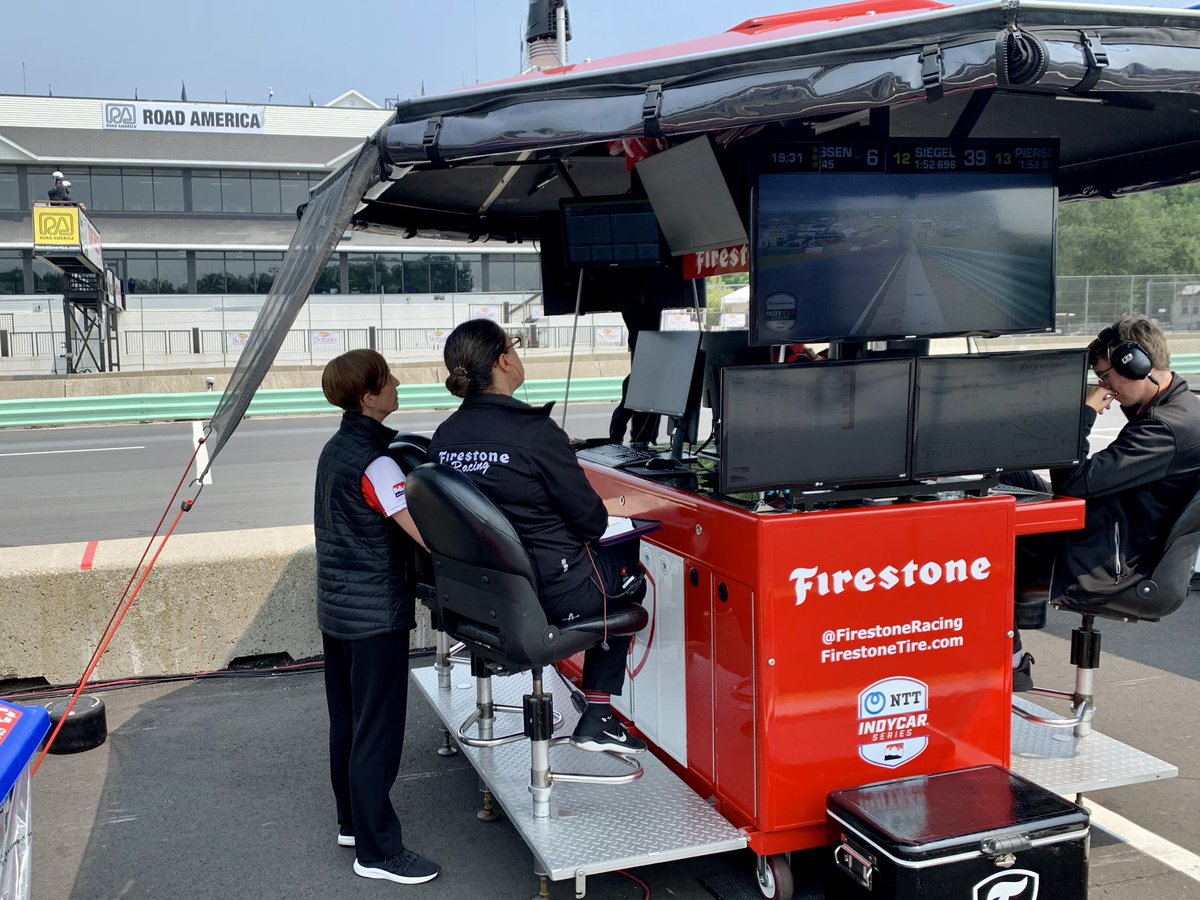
{"points": [[1085, 656]]}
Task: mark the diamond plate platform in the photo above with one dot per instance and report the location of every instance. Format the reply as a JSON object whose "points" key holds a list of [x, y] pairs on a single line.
{"points": [[1065, 764], [591, 828]]}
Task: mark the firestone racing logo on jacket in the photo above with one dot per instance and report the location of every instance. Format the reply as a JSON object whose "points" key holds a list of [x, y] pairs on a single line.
{"points": [[893, 722], [473, 460], [1015, 884]]}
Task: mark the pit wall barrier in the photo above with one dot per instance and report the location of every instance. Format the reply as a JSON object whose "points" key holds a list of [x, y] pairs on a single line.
{"points": [[45, 411], [211, 598]]}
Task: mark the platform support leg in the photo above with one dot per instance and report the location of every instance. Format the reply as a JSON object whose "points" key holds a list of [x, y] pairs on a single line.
{"points": [[543, 888], [447, 748], [483, 699], [442, 661], [1085, 656], [489, 813], [539, 728]]}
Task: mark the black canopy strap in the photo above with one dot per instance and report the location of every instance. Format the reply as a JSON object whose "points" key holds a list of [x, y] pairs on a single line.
{"points": [[931, 72], [1095, 57], [433, 133], [651, 108], [325, 219]]}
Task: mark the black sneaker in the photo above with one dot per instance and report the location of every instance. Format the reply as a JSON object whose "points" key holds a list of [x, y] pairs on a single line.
{"points": [[405, 867], [1023, 674], [596, 731], [345, 837]]}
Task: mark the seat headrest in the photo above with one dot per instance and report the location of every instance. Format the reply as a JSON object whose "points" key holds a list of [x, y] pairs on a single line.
{"points": [[459, 522], [409, 451]]}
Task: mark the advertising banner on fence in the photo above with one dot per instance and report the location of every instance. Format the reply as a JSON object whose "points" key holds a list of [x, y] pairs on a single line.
{"points": [[485, 312], [321, 341], [733, 320], [609, 334], [679, 321], [236, 340], [436, 337]]}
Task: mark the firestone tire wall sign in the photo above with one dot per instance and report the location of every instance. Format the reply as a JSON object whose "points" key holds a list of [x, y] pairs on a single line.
{"points": [[885, 641], [140, 115]]}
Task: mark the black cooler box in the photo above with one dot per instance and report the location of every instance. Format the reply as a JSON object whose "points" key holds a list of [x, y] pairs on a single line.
{"points": [[974, 834]]}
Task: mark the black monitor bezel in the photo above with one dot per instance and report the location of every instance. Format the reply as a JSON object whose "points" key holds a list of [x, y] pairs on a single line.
{"points": [[567, 203], [981, 143], [801, 484], [947, 471]]}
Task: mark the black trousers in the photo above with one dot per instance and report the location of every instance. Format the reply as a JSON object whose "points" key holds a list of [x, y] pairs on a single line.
{"points": [[643, 427], [366, 689], [603, 670], [1035, 553]]}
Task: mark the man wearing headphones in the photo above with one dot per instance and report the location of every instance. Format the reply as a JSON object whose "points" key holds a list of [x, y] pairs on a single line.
{"points": [[1135, 488]]}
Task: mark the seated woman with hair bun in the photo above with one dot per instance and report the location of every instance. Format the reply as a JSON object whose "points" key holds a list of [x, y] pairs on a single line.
{"points": [[523, 462]]}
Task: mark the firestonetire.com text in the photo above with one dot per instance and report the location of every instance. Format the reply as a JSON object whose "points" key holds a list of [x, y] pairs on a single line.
{"points": [[850, 644]]}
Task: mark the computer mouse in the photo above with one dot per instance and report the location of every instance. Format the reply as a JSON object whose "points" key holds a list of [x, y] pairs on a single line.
{"points": [[658, 463]]}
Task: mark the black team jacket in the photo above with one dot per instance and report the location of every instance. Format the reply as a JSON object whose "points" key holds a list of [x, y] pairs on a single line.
{"points": [[523, 462]]}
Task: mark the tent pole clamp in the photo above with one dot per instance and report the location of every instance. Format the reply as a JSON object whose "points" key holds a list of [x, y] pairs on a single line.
{"points": [[433, 133], [651, 109], [931, 72], [1095, 57]]}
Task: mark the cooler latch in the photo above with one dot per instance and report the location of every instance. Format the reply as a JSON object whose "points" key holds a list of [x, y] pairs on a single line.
{"points": [[1006, 844], [858, 865]]}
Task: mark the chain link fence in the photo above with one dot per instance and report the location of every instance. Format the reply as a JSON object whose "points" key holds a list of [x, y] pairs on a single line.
{"points": [[1087, 303]]}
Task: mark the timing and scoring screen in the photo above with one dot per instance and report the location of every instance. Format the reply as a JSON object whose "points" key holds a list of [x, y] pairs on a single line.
{"points": [[903, 239], [996, 412], [828, 423]]}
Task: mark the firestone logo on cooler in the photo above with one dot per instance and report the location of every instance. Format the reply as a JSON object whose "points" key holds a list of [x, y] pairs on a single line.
{"points": [[866, 579]]}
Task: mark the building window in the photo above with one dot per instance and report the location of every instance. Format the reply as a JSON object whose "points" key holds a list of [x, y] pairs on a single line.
{"points": [[416, 273], [239, 272], [363, 274], [10, 194], [206, 191], [105, 190], [264, 192], [266, 267], [210, 272], [501, 276], [391, 273], [527, 274], [293, 190], [168, 190], [235, 192], [469, 276], [441, 274], [137, 186], [12, 273], [46, 278], [330, 281]]}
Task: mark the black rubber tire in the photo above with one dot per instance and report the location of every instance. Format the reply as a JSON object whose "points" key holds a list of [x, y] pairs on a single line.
{"points": [[85, 728]]}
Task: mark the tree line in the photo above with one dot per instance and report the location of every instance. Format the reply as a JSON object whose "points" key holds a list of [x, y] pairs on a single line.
{"points": [[1156, 232]]}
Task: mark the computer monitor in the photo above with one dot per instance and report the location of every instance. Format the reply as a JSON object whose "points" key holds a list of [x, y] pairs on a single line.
{"points": [[903, 239], [612, 233], [996, 412], [832, 423], [665, 378], [727, 348]]}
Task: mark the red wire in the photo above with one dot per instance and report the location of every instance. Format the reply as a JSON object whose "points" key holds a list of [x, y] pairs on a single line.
{"points": [[126, 601], [645, 887]]}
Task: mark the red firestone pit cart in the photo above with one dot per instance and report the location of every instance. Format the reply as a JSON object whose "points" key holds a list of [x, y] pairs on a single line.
{"points": [[831, 600]]}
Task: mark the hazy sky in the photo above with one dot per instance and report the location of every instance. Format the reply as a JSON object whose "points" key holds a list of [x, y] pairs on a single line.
{"points": [[222, 49]]}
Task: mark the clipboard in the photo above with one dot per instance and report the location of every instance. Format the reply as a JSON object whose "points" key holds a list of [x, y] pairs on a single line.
{"points": [[621, 529]]}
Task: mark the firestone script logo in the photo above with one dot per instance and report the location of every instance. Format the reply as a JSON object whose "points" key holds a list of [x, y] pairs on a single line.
{"points": [[893, 721], [1015, 884], [810, 579]]}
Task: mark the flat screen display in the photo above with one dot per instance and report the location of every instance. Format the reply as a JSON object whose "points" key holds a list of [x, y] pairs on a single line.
{"points": [[822, 424], [727, 348], [611, 234], [662, 377], [998, 412], [897, 240]]}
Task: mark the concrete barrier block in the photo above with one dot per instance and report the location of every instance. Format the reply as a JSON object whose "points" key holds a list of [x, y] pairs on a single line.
{"points": [[210, 599]]}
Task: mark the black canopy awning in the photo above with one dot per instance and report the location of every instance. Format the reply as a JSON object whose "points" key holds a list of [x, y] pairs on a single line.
{"points": [[1118, 86]]}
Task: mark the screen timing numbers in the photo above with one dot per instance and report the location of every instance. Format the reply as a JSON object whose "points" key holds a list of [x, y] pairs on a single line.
{"points": [[916, 157]]}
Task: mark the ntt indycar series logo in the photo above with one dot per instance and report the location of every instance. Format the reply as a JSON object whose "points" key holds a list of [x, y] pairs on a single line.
{"points": [[810, 579], [893, 722]]}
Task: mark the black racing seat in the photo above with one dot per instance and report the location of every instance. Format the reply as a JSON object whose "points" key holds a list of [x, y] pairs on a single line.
{"points": [[486, 597], [1146, 600], [410, 451]]}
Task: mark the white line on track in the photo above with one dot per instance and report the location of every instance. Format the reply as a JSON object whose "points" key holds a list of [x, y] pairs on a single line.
{"points": [[1178, 858], [85, 450]]}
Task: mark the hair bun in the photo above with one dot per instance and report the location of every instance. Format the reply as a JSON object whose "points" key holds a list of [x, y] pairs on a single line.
{"points": [[458, 370]]}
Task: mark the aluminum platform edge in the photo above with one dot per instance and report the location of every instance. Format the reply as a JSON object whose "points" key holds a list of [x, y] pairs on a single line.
{"points": [[1061, 762], [591, 828]]}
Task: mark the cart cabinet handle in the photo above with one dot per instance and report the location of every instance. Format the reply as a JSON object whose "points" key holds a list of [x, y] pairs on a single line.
{"points": [[859, 867], [1009, 843]]}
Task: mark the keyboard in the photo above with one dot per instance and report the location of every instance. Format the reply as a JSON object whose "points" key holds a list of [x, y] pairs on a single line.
{"points": [[1022, 495], [614, 455]]}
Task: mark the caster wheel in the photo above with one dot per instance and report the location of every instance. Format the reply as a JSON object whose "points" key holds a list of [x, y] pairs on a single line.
{"points": [[775, 877], [86, 727]]}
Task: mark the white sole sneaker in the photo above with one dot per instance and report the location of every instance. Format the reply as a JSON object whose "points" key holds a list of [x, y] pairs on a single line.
{"points": [[606, 747], [345, 840], [385, 875]]}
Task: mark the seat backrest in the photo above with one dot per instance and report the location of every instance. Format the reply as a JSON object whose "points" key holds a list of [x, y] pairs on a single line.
{"points": [[409, 451], [1167, 587], [486, 586]]}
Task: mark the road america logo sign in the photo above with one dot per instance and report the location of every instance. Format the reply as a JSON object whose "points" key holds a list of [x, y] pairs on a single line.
{"points": [[120, 115], [1015, 884]]}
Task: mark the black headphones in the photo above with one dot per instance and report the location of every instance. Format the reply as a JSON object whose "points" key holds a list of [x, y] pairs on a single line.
{"points": [[1128, 358]]}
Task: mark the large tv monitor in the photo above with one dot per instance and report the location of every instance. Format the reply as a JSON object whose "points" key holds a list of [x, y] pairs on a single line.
{"points": [[903, 239], [997, 412], [665, 378], [608, 289], [611, 233], [835, 423]]}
